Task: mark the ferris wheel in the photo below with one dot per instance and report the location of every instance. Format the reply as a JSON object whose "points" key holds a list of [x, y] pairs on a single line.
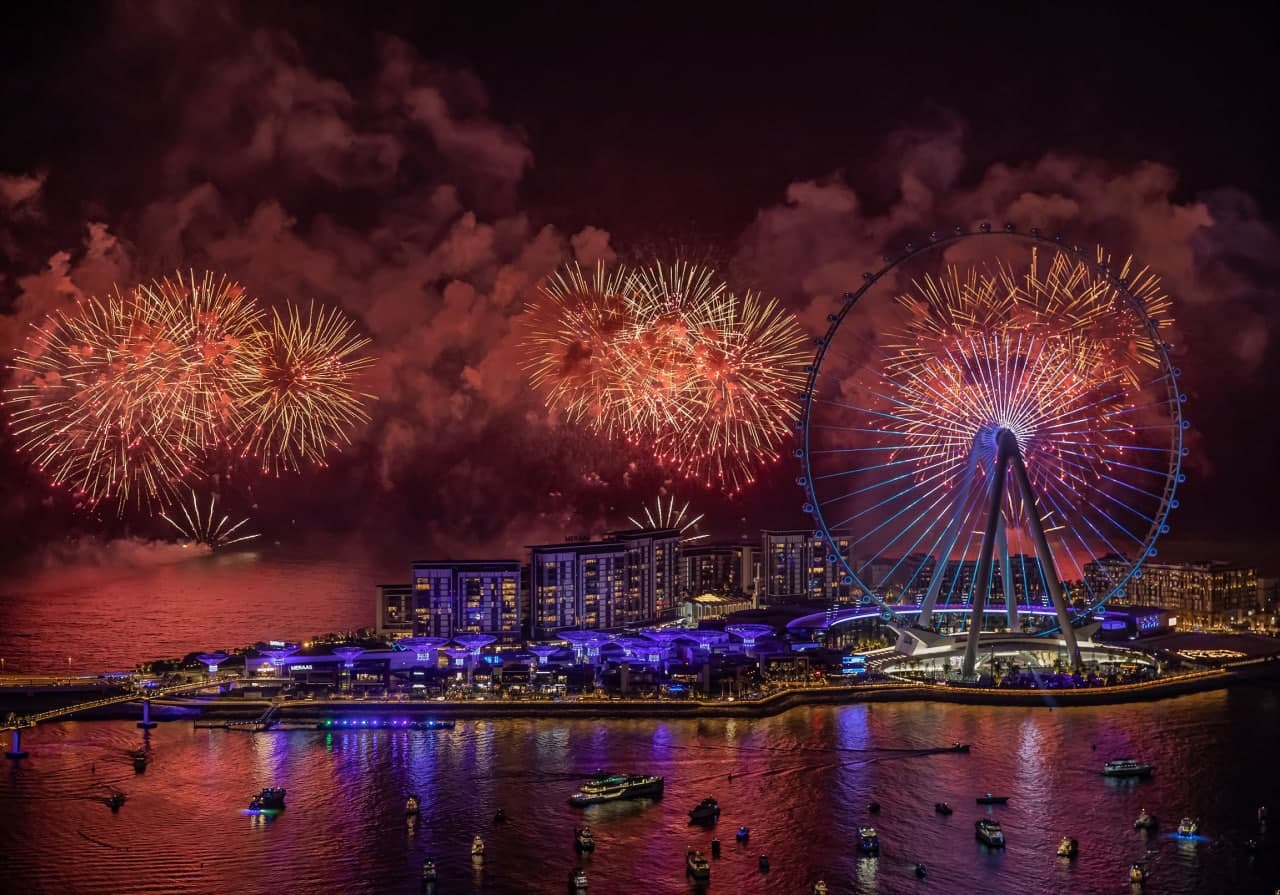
{"points": [[992, 431]]}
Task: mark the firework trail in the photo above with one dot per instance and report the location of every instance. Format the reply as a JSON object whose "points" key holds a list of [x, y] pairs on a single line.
{"points": [[206, 526], [668, 516]]}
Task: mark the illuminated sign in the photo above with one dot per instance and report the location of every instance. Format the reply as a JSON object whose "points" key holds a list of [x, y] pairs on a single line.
{"points": [[300, 667], [276, 643], [853, 664]]}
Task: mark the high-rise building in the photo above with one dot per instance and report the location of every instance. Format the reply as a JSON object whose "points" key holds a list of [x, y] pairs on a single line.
{"points": [[463, 597], [797, 566], [1209, 593], [627, 579], [711, 568], [393, 610]]}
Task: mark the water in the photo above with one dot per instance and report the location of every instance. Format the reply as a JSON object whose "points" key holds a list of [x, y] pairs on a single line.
{"points": [[801, 782], [156, 602]]}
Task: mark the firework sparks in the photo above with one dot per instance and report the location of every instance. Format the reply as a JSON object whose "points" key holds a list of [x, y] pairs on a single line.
{"points": [[668, 516], [301, 395], [125, 398], [670, 359], [207, 526]]}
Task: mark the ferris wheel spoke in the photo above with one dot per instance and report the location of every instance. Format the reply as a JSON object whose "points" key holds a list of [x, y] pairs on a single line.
{"points": [[913, 462]]}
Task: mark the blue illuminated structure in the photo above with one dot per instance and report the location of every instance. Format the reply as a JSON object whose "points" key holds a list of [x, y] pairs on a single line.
{"points": [[277, 651], [706, 639], [749, 634], [543, 651], [348, 655], [475, 643], [986, 453], [425, 649], [586, 644], [211, 661]]}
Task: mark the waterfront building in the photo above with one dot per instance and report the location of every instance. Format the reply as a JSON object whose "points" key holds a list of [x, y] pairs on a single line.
{"points": [[717, 568], [1197, 593], [627, 579], [467, 597], [694, 609], [796, 566], [393, 610]]}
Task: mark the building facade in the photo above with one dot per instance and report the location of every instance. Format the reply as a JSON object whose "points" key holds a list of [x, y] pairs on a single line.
{"points": [[393, 610], [628, 579], [796, 566], [467, 597], [1199, 593], [717, 568]]}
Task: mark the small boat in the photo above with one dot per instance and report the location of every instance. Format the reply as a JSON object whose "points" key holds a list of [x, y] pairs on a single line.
{"points": [[1262, 814], [1138, 875], [1126, 767], [715, 848], [499, 817], [477, 847], [411, 805], [1188, 827], [873, 807], [942, 808], [989, 833], [577, 880], [1068, 847], [921, 872], [428, 871], [116, 800], [820, 888], [270, 799], [962, 748], [707, 811], [744, 833], [140, 760], [1146, 821], [989, 799], [697, 865], [583, 840], [868, 840], [763, 864]]}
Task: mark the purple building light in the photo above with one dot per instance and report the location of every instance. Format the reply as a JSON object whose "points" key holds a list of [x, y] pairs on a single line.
{"points": [[635, 647], [586, 644], [543, 651], [278, 652], [750, 634], [458, 655], [348, 654], [212, 661], [663, 641], [474, 642], [706, 639], [425, 649]]}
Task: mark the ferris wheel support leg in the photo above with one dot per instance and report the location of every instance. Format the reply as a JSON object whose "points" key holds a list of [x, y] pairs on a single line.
{"points": [[949, 538], [1006, 576], [1046, 560], [982, 575]]}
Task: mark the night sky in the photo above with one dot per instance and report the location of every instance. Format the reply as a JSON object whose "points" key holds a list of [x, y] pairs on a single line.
{"points": [[424, 168]]}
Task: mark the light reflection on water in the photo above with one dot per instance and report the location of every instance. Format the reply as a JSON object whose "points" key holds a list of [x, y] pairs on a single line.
{"points": [[801, 782]]}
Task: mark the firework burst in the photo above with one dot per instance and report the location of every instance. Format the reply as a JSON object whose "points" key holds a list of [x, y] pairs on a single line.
{"points": [[301, 394], [672, 361], [206, 525], [667, 515]]}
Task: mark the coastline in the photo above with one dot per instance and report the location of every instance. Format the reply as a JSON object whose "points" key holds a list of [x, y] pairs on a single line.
{"points": [[234, 709]]}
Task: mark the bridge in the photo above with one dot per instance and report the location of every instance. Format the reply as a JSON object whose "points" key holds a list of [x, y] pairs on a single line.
{"points": [[827, 619], [15, 724]]}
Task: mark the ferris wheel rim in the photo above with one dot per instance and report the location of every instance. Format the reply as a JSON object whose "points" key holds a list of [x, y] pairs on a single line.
{"points": [[1033, 237]]}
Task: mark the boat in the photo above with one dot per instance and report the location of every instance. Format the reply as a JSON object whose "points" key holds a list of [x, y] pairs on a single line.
{"points": [[1262, 814], [873, 807], [921, 872], [1126, 767], [609, 787], [868, 840], [1188, 827], [270, 799], [744, 834], [962, 748], [116, 800], [706, 811], [499, 817], [1146, 821], [697, 865], [411, 805], [989, 799], [989, 833], [763, 864], [1138, 874], [428, 871], [583, 840], [577, 880], [477, 847], [1251, 846], [942, 808], [715, 848], [820, 887], [140, 760], [1068, 847]]}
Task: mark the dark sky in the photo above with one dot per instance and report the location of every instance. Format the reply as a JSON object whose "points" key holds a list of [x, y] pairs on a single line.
{"points": [[665, 128]]}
